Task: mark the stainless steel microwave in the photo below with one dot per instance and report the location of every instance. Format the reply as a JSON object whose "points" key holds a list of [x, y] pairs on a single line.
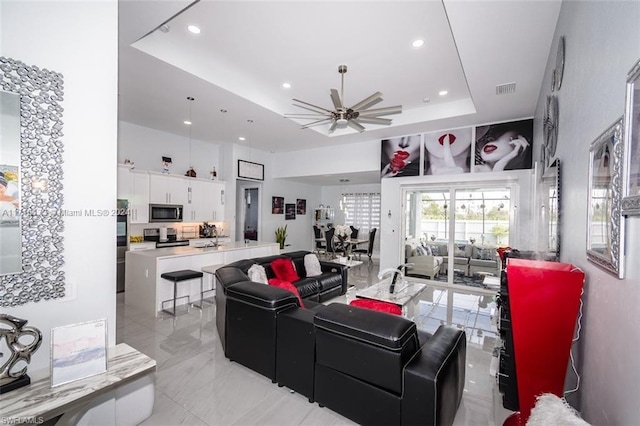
{"points": [[165, 213]]}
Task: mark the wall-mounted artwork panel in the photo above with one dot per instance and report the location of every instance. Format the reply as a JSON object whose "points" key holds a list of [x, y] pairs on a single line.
{"points": [[447, 152]]}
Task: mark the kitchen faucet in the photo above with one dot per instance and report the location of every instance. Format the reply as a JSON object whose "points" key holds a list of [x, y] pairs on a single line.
{"points": [[215, 234], [396, 272]]}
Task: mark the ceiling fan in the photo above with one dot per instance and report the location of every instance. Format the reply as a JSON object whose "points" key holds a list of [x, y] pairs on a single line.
{"points": [[342, 116]]}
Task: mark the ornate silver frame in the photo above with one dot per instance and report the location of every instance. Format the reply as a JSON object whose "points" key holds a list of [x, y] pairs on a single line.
{"points": [[609, 256], [41, 93], [631, 202]]}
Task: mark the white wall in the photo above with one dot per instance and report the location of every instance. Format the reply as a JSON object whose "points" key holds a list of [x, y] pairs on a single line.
{"points": [[602, 44], [146, 147], [79, 40]]}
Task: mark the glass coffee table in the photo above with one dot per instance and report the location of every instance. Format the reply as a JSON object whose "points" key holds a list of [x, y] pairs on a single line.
{"points": [[406, 294]]}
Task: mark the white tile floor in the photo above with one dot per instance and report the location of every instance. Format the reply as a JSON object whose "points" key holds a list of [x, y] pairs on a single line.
{"points": [[197, 385]]}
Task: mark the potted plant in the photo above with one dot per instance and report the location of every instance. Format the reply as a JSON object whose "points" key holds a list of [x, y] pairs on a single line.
{"points": [[281, 236]]}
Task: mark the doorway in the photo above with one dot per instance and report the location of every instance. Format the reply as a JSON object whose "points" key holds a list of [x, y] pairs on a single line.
{"points": [[248, 205], [250, 214]]}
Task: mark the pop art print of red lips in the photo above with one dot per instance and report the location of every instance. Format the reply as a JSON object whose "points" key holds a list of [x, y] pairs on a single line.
{"points": [[452, 139], [403, 155], [489, 148]]}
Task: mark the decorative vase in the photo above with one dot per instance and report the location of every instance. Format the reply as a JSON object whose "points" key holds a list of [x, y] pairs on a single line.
{"points": [[17, 351]]}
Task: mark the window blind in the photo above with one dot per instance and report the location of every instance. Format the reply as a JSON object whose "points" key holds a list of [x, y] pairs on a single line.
{"points": [[362, 210]]}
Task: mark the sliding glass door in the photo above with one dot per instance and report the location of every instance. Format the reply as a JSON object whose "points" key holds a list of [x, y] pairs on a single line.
{"points": [[458, 229]]}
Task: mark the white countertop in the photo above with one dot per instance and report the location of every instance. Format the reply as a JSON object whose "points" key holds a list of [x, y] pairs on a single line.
{"points": [[190, 251]]}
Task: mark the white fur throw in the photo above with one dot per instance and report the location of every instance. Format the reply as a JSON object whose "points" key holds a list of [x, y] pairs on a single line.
{"points": [[312, 265], [258, 274], [550, 410]]}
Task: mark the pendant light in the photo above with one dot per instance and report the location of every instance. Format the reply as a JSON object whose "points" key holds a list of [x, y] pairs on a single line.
{"points": [[190, 172], [250, 157]]}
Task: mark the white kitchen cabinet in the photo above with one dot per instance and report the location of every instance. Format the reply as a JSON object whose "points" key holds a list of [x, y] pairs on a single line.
{"points": [[167, 189], [133, 186], [139, 196], [205, 201], [124, 182]]}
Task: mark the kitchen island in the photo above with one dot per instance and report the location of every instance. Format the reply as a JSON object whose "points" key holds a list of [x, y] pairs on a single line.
{"points": [[145, 289]]}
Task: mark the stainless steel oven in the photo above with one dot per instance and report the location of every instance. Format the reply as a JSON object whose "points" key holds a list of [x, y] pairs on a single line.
{"points": [[165, 213]]}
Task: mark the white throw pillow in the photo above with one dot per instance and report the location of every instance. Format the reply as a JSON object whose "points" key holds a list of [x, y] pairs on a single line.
{"points": [[258, 274], [312, 265]]}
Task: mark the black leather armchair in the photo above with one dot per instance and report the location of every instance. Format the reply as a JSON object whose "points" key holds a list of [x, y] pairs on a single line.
{"points": [[375, 368]]}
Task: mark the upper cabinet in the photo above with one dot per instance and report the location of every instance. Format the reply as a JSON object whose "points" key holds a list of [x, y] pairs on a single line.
{"points": [[204, 201], [167, 189], [133, 186]]}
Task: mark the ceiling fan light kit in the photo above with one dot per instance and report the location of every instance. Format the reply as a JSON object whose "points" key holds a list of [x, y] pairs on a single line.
{"points": [[342, 117]]}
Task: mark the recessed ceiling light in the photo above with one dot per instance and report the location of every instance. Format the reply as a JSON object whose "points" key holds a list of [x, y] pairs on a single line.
{"points": [[194, 29], [187, 122], [241, 138], [286, 85], [443, 92], [417, 43]]}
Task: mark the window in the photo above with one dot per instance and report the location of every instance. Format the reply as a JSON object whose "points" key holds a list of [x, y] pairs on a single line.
{"points": [[459, 228], [362, 210]]}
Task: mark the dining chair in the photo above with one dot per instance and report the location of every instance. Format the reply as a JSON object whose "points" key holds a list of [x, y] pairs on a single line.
{"points": [[321, 247], [369, 249], [328, 237], [354, 231]]}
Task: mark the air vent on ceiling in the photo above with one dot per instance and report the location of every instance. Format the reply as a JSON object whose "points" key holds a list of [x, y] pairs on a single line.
{"points": [[503, 89]]}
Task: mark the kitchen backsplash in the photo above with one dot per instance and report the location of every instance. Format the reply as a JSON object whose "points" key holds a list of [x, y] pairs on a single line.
{"points": [[186, 230]]}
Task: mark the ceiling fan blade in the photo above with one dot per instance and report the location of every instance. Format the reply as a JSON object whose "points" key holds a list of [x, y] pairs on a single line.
{"points": [[311, 105], [355, 125], [317, 123], [303, 115], [381, 111], [333, 126], [335, 98], [375, 120], [368, 101]]}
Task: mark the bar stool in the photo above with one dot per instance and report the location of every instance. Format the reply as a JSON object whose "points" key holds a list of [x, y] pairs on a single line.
{"points": [[176, 277], [211, 269]]}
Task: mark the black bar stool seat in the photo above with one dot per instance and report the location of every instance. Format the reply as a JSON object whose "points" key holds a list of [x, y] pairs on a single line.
{"points": [[176, 277]]}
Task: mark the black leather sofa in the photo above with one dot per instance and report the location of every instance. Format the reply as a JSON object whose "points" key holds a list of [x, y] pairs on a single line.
{"points": [[372, 367], [331, 283]]}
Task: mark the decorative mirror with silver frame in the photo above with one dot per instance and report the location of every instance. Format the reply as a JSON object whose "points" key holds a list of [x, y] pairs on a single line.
{"points": [[631, 202], [605, 233], [550, 191], [37, 205]]}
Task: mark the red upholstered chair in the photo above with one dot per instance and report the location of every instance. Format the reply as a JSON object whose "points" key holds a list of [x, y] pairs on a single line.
{"points": [[377, 305]]}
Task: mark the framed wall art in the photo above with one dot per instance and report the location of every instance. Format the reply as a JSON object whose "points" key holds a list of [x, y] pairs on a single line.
{"points": [[250, 170], [631, 200], [605, 231], [78, 351], [289, 211]]}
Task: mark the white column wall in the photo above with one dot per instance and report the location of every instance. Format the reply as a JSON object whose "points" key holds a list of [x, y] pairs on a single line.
{"points": [[79, 40]]}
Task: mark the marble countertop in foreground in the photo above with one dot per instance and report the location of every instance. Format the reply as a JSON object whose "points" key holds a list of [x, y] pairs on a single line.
{"points": [[39, 401]]}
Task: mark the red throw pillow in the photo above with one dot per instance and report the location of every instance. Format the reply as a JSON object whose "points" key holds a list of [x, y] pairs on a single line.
{"points": [[377, 305], [286, 285], [284, 270]]}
